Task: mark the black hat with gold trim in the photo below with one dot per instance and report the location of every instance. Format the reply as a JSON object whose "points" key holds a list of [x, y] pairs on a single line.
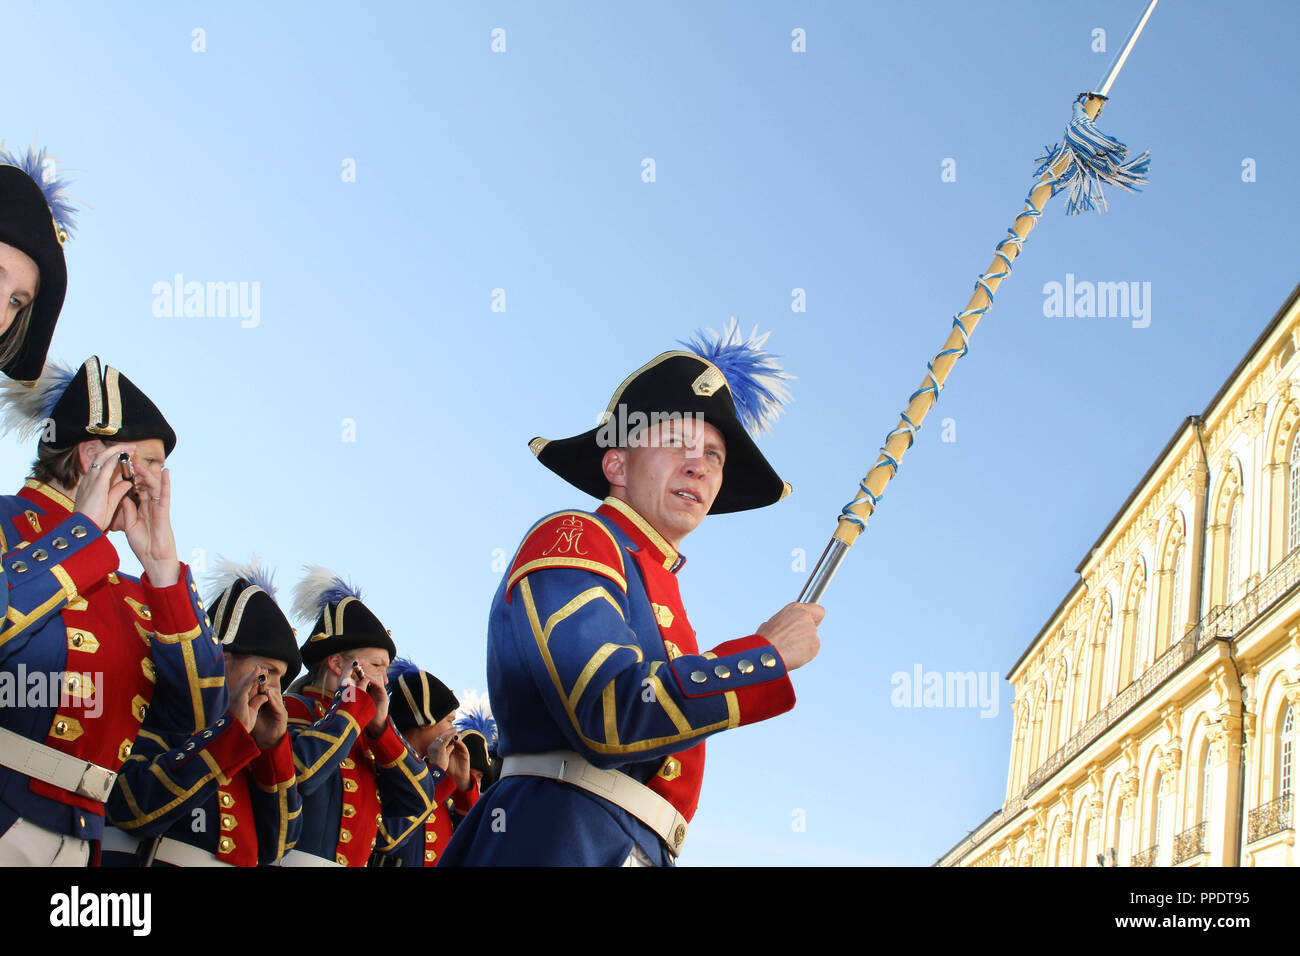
{"points": [[416, 698], [36, 218], [94, 402], [246, 618], [726, 380], [476, 744], [342, 622]]}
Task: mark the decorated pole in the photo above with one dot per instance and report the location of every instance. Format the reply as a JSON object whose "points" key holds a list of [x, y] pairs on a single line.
{"points": [[1084, 161]]}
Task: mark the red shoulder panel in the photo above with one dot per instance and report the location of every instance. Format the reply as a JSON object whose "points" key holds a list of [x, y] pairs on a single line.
{"points": [[571, 539]]}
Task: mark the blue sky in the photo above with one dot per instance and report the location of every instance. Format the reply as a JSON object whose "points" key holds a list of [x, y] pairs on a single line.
{"points": [[375, 416]]}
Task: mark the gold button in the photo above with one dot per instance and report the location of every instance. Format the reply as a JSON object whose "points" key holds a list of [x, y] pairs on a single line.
{"points": [[40, 554], [340, 859], [744, 666], [60, 543], [18, 566], [79, 531], [141, 711], [350, 786], [699, 677], [227, 821], [82, 821], [349, 810], [150, 671], [723, 671], [189, 746], [61, 727], [430, 836], [347, 763], [429, 856], [379, 819], [124, 751], [345, 836], [227, 800], [226, 844], [679, 836], [768, 660], [76, 638]]}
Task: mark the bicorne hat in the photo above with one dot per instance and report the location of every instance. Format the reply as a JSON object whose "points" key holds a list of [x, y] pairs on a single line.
{"points": [[416, 698], [94, 402], [36, 217], [342, 622], [247, 619], [726, 381]]}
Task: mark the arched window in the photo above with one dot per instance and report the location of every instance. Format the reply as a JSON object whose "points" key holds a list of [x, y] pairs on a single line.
{"points": [[1131, 628], [1207, 780], [1286, 761], [1293, 487], [1176, 602], [1234, 550], [1157, 811]]}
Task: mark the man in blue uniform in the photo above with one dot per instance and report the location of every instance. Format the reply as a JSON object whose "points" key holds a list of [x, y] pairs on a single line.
{"points": [[601, 694], [226, 796], [353, 768], [117, 647]]}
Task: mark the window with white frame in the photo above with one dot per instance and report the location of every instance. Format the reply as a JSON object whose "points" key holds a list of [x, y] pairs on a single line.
{"points": [[1234, 549], [1176, 600], [1293, 493], [1286, 763]]}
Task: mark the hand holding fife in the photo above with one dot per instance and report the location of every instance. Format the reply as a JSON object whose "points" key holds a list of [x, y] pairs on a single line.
{"points": [[148, 527], [246, 699], [273, 719], [793, 632], [100, 490]]}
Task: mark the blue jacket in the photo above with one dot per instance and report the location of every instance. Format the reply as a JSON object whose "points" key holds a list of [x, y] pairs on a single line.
{"points": [[590, 650]]}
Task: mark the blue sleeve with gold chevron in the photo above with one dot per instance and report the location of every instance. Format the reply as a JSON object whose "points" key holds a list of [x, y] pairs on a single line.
{"points": [[594, 662], [40, 577], [164, 780], [190, 693]]}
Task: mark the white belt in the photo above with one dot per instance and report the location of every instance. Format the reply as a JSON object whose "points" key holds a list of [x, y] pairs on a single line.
{"points": [[168, 850], [61, 770], [618, 788], [302, 858]]}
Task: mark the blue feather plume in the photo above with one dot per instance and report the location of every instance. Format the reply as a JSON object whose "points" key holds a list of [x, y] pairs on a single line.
{"points": [[1095, 160], [54, 188], [319, 588], [476, 714], [402, 667], [755, 377], [228, 572], [27, 410]]}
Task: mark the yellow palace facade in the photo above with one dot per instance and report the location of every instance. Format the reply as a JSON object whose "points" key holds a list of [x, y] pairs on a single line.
{"points": [[1155, 714]]}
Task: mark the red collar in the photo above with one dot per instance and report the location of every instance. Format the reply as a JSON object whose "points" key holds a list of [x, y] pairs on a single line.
{"points": [[52, 502], [642, 534]]}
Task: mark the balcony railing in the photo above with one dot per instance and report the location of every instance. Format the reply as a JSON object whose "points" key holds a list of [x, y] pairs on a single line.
{"points": [[1272, 817], [1189, 843], [1147, 857]]}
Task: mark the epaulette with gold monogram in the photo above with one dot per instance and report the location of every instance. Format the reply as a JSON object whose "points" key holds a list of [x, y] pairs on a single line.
{"points": [[570, 539]]}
